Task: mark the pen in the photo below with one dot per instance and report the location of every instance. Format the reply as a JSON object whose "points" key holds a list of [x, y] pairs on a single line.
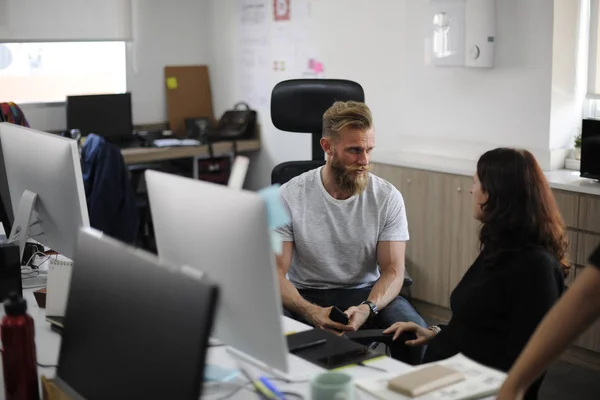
{"points": [[259, 387], [272, 387]]}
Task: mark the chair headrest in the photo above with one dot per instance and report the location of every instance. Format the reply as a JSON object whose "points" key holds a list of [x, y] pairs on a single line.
{"points": [[298, 105]]}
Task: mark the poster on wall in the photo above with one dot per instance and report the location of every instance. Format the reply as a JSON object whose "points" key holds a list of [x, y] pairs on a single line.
{"points": [[293, 48], [281, 10], [275, 44], [254, 53]]}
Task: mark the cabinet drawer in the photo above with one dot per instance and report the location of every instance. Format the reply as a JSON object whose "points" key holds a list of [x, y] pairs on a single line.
{"points": [[589, 213], [568, 204], [586, 244], [572, 254], [590, 339]]}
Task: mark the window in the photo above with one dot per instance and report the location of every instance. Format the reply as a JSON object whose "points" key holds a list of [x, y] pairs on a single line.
{"points": [[48, 72]]}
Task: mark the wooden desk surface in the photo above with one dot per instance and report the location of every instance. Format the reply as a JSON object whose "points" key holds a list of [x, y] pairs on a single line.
{"points": [[152, 154]]}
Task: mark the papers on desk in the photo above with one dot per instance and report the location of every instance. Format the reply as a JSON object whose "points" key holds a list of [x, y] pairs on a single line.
{"points": [[57, 290], [175, 142], [480, 382]]}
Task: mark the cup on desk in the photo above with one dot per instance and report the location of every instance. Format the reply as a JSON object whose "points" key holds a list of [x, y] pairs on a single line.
{"points": [[332, 386]]}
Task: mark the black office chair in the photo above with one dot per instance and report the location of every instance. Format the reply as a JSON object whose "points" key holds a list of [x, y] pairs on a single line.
{"points": [[298, 105]]}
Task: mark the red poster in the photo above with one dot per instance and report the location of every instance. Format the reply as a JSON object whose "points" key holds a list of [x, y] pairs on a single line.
{"points": [[281, 9]]}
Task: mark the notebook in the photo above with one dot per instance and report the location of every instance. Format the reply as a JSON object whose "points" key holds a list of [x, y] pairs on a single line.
{"points": [[479, 382], [425, 380]]}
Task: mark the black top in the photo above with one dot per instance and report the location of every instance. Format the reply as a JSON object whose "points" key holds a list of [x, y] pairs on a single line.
{"points": [[497, 305], [595, 258]]}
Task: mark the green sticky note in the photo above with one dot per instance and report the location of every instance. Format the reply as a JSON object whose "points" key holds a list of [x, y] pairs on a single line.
{"points": [[172, 82]]}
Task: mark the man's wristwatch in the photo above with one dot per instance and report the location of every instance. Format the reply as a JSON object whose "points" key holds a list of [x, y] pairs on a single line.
{"points": [[372, 307]]}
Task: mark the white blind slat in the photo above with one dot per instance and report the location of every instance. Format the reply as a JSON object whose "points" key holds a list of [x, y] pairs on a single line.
{"points": [[65, 20]]}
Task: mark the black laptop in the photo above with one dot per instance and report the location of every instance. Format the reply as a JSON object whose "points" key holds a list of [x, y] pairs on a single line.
{"points": [[134, 328]]}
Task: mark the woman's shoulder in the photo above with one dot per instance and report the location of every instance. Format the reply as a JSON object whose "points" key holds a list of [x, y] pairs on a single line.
{"points": [[536, 259]]}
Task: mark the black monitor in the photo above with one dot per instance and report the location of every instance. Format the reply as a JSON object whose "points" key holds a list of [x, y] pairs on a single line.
{"points": [[590, 149], [6, 210], [135, 328], [107, 115]]}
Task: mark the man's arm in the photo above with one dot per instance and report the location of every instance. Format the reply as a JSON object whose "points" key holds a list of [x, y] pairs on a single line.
{"points": [[390, 257], [294, 302], [578, 308]]}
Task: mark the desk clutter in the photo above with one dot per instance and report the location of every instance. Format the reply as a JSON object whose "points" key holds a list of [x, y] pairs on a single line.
{"points": [[202, 314], [456, 378]]}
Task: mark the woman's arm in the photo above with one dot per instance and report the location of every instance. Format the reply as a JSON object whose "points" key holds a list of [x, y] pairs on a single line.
{"points": [[579, 307]]}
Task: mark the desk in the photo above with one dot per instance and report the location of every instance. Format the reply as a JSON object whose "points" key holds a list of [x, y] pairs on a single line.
{"points": [[48, 345], [152, 154]]}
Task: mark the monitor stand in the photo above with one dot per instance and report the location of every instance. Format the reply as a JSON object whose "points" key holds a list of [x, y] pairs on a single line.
{"points": [[22, 223], [288, 377]]}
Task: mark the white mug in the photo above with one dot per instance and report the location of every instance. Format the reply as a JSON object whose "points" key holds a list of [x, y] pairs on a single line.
{"points": [[332, 386]]}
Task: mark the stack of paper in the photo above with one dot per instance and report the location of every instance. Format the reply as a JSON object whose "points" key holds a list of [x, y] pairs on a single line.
{"points": [[175, 142], [480, 382]]}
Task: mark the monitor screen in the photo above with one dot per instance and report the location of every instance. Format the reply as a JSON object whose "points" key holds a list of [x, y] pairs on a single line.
{"points": [[590, 149], [107, 115]]}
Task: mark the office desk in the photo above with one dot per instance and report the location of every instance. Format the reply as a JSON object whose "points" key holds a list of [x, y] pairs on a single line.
{"points": [[152, 154], [48, 345]]}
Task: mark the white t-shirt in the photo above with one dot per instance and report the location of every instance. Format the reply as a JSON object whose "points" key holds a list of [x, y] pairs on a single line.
{"points": [[335, 241]]}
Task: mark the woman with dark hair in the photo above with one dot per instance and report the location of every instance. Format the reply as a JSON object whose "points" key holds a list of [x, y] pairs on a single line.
{"points": [[518, 275]]}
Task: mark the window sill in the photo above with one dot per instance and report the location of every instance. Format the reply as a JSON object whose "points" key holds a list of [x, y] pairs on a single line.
{"points": [[44, 104]]}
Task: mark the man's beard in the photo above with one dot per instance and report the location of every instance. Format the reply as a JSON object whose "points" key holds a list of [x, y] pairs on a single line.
{"points": [[346, 180]]}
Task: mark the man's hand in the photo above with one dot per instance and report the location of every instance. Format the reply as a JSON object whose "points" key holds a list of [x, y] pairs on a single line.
{"points": [[358, 315], [319, 318]]}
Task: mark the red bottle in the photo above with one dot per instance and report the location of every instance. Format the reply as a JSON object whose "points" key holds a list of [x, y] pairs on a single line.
{"points": [[18, 353]]}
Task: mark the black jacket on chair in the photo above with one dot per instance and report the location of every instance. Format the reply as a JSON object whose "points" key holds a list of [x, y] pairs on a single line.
{"points": [[110, 197]]}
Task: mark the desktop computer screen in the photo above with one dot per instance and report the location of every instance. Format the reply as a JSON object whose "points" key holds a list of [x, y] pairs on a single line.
{"points": [[107, 115], [6, 212], [224, 233], [590, 149], [135, 328], [45, 183]]}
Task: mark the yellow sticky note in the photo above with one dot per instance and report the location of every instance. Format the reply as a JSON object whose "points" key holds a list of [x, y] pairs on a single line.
{"points": [[172, 82]]}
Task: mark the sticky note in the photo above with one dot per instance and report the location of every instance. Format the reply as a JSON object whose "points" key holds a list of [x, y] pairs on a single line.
{"points": [[276, 214], [172, 82], [319, 67]]}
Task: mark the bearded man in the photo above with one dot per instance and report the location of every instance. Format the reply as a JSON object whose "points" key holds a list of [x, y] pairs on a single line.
{"points": [[345, 243]]}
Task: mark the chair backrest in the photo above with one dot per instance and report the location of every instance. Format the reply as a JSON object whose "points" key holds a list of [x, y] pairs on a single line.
{"points": [[285, 171], [297, 105]]}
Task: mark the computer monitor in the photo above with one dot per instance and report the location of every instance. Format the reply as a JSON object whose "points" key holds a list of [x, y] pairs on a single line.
{"points": [[590, 149], [107, 115], [224, 232], [6, 212], [134, 328], [45, 182]]}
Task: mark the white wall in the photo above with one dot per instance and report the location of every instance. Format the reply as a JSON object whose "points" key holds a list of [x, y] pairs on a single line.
{"points": [[165, 33], [569, 61], [449, 111], [421, 108]]}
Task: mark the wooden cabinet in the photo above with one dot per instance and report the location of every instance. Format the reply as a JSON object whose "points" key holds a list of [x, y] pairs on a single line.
{"points": [[464, 244], [428, 254], [568, 204], [443, 233], [586, 244], [423, 194], [589, 213], [572, 254]]}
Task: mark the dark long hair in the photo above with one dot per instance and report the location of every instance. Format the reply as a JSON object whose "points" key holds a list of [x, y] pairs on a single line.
{"points": [[521, 210]]}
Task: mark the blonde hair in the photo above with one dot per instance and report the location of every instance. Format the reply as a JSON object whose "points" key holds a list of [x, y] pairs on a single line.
{"points": [[342, 114]]}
